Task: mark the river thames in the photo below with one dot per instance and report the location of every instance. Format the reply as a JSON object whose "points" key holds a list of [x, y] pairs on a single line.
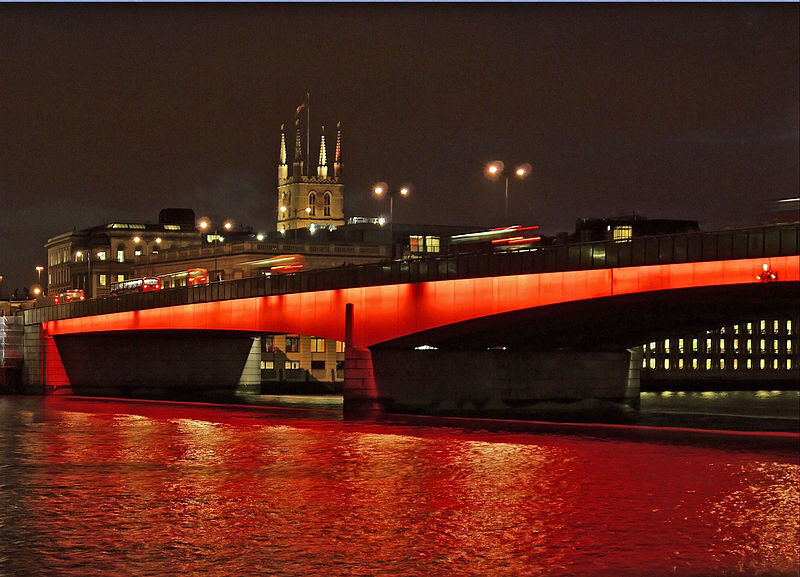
{"points": [[142, 488]]}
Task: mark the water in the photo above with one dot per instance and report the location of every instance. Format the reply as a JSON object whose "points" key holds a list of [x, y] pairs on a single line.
{"points": [[122, 488]]}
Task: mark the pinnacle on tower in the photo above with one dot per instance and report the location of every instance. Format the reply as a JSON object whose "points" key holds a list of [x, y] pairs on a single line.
{"points": [[337, 163], [283, 167], [322, 167], [298, 152]]}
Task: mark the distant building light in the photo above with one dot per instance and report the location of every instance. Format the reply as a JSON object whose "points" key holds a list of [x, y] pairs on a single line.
{"points": [[426, 348]]}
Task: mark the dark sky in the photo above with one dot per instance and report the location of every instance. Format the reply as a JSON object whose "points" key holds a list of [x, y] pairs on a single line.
{"points": [[112, 112]]}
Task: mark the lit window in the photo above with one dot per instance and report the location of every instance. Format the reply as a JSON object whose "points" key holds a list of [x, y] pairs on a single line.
{"points": [[763, 363], [623, 233], [736, 345], [432, 243], [722, 345], [312, 203], [644, 363], [317, 345], [788, 345], [788, 364], [289, 365], [694, 363], [694, 345], [788, 327], [749, 328], [267, 365], [653, 346], [680, 345], [120, 277], [736, 329], [722, 331], [722, 364], [680, 364], [155, 248], [652, 362], [137, 251], [749, 346], [339, 346], [735, 364], [103, 280], [775, 346], [708, 345], [416, 243], [763, 346], [763, 326], [666, 346], [775, 364], [749, 363], [708, 364], [776, 326], [666, 364], [120, 255], [101, 255]]}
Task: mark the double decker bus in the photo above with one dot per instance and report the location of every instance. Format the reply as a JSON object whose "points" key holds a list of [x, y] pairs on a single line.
{"points": [[496, 239], [69, 295], [191, 277], [284, 264], [135, 285]]}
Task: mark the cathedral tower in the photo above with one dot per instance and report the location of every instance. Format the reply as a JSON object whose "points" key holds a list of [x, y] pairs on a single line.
{"points": [[307, 200]]}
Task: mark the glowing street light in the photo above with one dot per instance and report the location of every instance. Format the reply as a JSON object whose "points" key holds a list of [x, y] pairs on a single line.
{"points": [[205, 226], [497, 168], [382, 189]]}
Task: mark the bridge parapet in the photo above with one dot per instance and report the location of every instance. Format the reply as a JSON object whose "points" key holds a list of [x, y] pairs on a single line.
{"points": [[758, 242]]}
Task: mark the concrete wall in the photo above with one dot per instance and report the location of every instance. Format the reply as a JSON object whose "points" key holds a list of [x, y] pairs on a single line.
{"points": [[504, 382]]}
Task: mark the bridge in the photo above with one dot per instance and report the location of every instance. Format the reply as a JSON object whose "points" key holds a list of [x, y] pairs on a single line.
{"points": [[489, 330]]}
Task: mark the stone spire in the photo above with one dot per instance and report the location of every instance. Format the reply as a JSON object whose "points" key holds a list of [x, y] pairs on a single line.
{"points": [[322, 167], [298, 152], [337, 163], [283, 167]]}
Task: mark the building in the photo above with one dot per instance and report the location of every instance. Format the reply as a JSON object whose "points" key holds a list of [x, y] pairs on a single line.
{"points": [[625, 227]]}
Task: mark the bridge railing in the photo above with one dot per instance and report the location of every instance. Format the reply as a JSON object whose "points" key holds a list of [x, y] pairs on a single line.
{"points": [[766, 241]]}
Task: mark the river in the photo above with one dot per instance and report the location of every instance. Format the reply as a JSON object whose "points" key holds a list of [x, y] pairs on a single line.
{"points": [[143, 488]]}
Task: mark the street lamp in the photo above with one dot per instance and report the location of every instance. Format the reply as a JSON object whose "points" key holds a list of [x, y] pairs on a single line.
{"points": [[382, 189], [496, 169], [205, 225], [285, 209]]}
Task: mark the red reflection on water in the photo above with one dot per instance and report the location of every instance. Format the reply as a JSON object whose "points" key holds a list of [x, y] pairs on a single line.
{"points": [[133, 489]]}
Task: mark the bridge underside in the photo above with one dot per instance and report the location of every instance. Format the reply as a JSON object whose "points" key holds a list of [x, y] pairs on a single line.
{"points": [[178, 365], [612, 323]]}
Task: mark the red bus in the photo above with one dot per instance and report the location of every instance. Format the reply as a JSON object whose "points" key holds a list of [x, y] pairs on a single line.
{"points": [[284, 264], [191, 277], [135, 285], [69, 295]]}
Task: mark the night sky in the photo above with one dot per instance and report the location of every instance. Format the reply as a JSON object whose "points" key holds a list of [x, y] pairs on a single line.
{"points": [[112, 112]]}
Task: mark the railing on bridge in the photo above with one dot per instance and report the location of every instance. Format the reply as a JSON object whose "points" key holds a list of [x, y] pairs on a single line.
{"points": [[766, 241]]}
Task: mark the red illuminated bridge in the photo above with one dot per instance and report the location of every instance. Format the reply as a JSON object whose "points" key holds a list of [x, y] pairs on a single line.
{"points": [[491, 330]]}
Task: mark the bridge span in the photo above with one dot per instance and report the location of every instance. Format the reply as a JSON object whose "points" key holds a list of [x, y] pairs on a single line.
{"points": [[483, 331]]}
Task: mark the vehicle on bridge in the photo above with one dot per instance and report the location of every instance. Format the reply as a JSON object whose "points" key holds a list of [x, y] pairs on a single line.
{"points": [[191, 277], [69, 296], [284, 264], [135, 285], [496, 239]]}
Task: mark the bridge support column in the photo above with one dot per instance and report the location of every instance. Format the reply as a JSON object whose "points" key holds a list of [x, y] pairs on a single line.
{"points": [[361, 397], [43, 370], [495, 383]]}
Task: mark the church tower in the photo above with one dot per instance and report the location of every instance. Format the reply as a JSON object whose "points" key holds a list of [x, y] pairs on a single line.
{"points": [[307, 200]]}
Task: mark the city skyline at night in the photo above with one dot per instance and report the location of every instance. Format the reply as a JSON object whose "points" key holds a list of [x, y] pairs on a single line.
{"points": [[671, 111]]}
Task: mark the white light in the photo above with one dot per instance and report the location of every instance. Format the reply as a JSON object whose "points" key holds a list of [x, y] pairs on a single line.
{"points": [[259, 237], [381, 221]]}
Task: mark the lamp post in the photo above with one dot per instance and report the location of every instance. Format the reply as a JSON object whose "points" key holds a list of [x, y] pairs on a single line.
{"points": [[497, 168], [307, 210], [205, 225], [382, 189], [87, 287]]}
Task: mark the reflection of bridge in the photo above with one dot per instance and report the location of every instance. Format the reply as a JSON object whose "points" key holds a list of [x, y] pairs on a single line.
{"points": [[500, 330]]}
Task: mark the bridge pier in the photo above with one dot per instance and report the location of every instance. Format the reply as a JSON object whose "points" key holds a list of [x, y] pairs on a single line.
{"points": [[503, 383]]}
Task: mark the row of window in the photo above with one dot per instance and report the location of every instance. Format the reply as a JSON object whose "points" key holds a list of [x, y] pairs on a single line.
{"points": [[318, 345], [778, 345], [721, 364], [295, 365]]}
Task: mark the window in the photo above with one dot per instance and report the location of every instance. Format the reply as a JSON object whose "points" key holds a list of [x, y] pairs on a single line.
{"points": [[120, 254], [339, 346], [722, 345], [101, 255], [763, 346], [680, 364], [708, 364], [776, 326], [788, 345], [291, 365], [268, 343], [708, 345], [788, 364], [317, 365], [694, 345], [623, 233], [680, 346], [666, 346], [415, 243], [312, 203], [736, 345], [432, 243], [327, 200], [775, 346], [749, 345], [735, 364], [317, 345], [292, 344], [103, 280], [267, 365], [137, 250], [666, 364], [749, 328], [652, 362], [120, 277], [694, 363], [155, 248], [763, 327], [722, 364], [788, 327]]}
